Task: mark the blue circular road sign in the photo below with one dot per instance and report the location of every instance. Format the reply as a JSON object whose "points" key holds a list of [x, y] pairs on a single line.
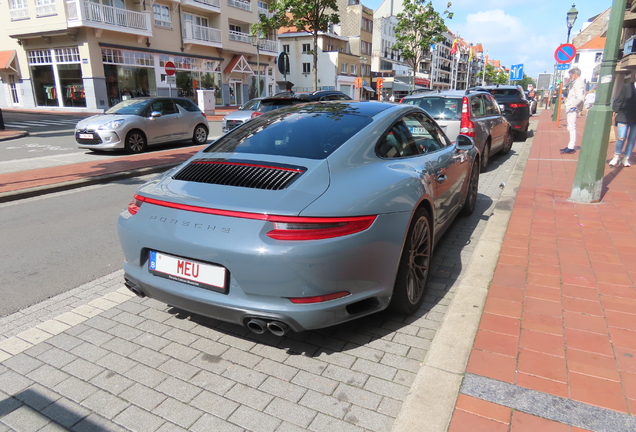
{"points": [[565, 53]]}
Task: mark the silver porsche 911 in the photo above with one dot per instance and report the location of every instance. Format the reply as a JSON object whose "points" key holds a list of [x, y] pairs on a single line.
{"points": [[305, 217]]}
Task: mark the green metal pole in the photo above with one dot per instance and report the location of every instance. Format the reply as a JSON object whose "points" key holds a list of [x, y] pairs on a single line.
{"points": [[588, 180]]}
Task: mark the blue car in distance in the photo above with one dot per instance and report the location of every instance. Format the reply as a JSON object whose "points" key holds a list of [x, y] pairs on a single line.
{"points": [[303, 218]]}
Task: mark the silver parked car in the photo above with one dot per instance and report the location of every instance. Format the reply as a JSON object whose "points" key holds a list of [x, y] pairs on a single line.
{"points": [[136, 123], [304, 217], [240, 116], [472, 113]]}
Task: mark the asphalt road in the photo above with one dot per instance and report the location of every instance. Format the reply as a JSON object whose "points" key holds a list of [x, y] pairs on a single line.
{"points": [[53, 243]]}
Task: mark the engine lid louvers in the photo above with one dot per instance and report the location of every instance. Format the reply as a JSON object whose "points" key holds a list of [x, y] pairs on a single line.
{"points": [[247, 174]]}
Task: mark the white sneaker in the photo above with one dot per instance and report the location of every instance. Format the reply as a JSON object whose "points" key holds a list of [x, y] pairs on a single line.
{"points": [[615, 160], [626, 161]]}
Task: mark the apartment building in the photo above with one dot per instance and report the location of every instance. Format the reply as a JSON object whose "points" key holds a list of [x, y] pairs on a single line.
{"points": [[87, 55], [441, 63], [356, 23], [337, 66]]}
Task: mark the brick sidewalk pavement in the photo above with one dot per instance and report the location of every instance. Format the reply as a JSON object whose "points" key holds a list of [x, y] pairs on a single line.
{"points": [[556, 346]]}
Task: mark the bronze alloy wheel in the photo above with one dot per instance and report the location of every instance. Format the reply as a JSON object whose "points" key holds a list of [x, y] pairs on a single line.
{"points": [[135, 142], [507, 143], [410, 283], [471, 194]]}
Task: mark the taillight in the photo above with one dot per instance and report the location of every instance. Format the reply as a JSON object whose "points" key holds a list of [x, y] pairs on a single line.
{"points": [[466, 126], [255, 114], [300, 228], [402, 100], [285, 227], [518, 105], [203, 114], [134, 205], [319, 299]]}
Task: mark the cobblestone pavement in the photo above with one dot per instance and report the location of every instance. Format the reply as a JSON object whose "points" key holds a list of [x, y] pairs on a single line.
{"points": [[98, 359]]}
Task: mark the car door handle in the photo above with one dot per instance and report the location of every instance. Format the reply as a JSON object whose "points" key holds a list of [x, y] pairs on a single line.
{"points": [[441, 179]]}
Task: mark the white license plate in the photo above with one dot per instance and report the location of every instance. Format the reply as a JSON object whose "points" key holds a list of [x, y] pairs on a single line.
{"points": [[187, 271], [86, 136]]}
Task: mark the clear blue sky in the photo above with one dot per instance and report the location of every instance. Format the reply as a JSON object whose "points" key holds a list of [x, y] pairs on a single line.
{"points": [[516, 31]]}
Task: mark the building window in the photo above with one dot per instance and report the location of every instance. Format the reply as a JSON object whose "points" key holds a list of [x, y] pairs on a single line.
{"points": [[162, 16], [367, 25], [306, 48], [598, 57], [57, 77], [235, 28], [306, 67], [45, 7], [18, 9], [286, 48], [353, 69], [343, 68]]}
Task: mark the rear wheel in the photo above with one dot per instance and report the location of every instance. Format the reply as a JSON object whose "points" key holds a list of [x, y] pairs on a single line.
{"points": [[135, 142], [507, 143], [200, 135], [410, 283], [523, 135], [485, 156], [471, 194]]}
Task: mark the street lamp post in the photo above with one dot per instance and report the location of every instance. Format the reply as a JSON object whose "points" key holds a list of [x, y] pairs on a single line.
{"points": [[258, 41], [590, 168], [572, 14], [571, 19]]}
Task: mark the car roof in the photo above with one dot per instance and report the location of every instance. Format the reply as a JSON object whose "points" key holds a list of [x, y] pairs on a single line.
{"points": [[445, 93], [303, 95]]}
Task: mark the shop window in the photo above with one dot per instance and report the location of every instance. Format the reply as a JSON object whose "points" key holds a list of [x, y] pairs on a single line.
{"points": [[63, 63]]}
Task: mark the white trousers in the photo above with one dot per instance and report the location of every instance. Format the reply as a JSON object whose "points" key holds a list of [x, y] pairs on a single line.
{"points": [[571, 118]]}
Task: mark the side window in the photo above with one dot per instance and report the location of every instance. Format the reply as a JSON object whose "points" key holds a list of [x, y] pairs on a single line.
{"points": [[187, 105], [168, 107], [397, 143], [492, 108], [427, 135], [477, 106]]}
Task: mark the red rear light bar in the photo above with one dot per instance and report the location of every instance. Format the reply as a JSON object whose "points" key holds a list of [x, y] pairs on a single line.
{"points": [[285, 227]]}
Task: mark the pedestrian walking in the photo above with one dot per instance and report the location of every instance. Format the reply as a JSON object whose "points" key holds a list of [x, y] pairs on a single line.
{"points": [[574, 104], [590, 98], [624, 105]]}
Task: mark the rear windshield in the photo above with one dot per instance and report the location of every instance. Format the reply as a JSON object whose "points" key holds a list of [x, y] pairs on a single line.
{"points": [[271, 105], [440, 108], [504, 92], [311, 135], [187, 105]]}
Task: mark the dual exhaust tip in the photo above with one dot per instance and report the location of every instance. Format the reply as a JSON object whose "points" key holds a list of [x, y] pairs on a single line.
{"points": [[258, 326]]}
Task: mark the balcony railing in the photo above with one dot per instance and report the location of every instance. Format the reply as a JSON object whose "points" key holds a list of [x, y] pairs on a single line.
{"points": [[21, 13], [270, 45], [84, 10], [193, 32], [208, 5], [215, 3], [263, 11], [239, 37], [240, 4]]}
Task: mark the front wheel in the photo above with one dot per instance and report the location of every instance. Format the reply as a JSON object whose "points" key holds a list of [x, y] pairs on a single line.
{"points": [[200, 135], [135, 142], [410, 283], [471, 194]]}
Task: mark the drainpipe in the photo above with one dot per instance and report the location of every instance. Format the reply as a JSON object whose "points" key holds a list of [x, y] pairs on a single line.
{"points": [[180, 27]]}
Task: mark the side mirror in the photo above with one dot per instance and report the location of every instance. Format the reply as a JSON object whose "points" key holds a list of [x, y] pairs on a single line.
{"points": [[464, 142], [155, 114]]}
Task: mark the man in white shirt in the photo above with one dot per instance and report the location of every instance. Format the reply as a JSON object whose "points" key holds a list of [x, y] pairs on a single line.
{"points": [[574, 104]]}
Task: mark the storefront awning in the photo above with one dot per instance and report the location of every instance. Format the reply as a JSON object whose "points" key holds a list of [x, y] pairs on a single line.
{"points": [[6, 60], [367, 88], [238, 64]]}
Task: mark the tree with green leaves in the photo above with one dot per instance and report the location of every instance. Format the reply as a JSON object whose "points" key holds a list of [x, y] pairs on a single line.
{"points": [[419, 26], [311, 16], [525, 81], [495, 76]]}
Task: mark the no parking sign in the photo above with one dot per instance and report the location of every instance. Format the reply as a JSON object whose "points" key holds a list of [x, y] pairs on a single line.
{"points": [[565, 53]]}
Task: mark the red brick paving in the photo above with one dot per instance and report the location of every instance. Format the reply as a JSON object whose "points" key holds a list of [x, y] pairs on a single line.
{"points": [[560, 316]]}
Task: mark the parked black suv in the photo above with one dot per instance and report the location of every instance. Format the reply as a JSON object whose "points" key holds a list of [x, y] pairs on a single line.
{"points": [[280, 100], [513, 105]]}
